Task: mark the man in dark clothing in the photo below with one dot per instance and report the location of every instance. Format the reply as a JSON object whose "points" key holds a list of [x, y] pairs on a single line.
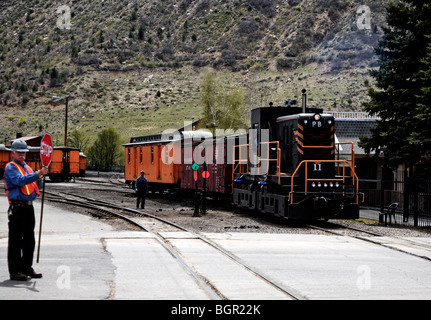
{"points": [[141, 187]]}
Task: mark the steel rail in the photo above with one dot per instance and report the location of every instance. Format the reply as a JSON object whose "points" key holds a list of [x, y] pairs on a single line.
{"points": [[371, 240], [288, 291], [201, 280]]}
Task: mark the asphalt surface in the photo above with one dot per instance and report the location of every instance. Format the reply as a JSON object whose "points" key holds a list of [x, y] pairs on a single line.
{"points": [[82, 258]]}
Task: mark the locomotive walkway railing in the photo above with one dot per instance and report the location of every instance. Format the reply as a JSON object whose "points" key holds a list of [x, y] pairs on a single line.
{"points": [[352, 154], [355, 180], [277, 159], [241, 165]]}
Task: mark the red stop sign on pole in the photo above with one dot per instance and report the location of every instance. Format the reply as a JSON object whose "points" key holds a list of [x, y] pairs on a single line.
{"points": [[46, 150]]}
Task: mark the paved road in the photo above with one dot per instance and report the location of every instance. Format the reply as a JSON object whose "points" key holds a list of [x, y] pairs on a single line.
{"points": [[83, 258]]}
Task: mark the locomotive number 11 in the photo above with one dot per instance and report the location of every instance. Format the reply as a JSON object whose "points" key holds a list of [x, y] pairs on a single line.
{"points": [[317, 167]]}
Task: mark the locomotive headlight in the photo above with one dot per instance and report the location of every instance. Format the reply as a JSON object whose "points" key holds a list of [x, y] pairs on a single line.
{"points": [[317, 117]]}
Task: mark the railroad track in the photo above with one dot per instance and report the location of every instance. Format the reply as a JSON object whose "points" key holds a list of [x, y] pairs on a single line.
{"points": [[403, 245], [130, 216]]}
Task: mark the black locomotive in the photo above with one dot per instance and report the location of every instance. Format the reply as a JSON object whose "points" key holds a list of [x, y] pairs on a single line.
{"points": [[291, 167], [288, 164]]}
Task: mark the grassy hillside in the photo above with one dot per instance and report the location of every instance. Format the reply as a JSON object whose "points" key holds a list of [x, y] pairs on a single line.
{"points": [[136, 65]]}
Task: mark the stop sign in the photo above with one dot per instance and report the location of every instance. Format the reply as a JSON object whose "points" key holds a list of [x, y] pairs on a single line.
{"points": [[46, 150]]}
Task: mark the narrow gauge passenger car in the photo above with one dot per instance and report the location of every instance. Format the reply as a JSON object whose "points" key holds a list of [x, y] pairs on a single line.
{"points": [[160, 156], [64, 166]]}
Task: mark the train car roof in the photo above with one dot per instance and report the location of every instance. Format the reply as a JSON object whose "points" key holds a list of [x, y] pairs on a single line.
{"points": [[37, 149], [66, 148], [168, 137]]}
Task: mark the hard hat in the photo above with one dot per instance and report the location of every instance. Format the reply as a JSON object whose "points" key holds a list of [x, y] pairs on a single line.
{"points": [[19, 145]]}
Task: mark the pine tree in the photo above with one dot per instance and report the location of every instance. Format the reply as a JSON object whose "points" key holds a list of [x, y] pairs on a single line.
{"points": [[422, 136], [402, 99]]}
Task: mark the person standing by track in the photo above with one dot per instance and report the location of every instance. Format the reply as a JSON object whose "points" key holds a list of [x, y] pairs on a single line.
{"points": [[22, 187], [141, 187]]}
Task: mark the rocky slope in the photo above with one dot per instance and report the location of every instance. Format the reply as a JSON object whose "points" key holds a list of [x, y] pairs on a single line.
{"points": [[136, 65]]}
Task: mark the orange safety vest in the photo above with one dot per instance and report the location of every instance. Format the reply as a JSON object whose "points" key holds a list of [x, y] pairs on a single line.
{"points": [[29, 188]]}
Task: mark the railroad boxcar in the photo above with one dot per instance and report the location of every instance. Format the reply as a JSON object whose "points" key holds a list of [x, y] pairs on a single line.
{"points": [[214, 175]]}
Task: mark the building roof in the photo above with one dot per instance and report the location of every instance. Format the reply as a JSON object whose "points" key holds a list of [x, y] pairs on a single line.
{"points": [[32, 141], [26, 138], [349, 130]]}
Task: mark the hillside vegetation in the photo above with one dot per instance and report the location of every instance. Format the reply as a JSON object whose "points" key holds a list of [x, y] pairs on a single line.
{"points": [[137, 65]]}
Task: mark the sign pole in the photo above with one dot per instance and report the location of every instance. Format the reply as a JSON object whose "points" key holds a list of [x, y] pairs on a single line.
{"points": [[46, 153], [205, 175], [195, 168], [41, 218]]}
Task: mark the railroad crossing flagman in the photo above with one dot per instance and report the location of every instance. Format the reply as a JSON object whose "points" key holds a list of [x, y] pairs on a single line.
{"points": [[22, 187]]}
